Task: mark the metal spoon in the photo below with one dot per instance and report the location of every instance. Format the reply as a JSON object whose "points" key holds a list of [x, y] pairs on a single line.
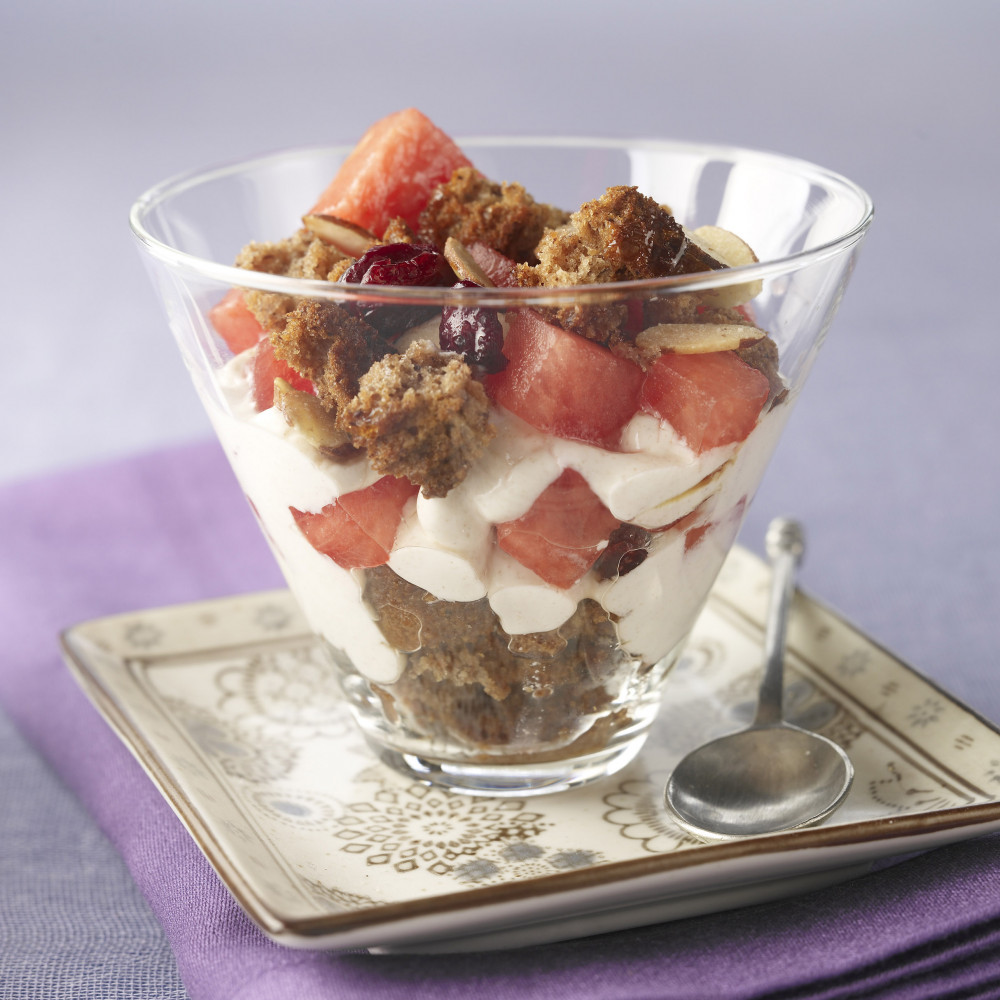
{"points": [[772, 776]]}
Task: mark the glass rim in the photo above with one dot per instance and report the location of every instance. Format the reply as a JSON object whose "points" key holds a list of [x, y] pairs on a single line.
{"points": [[233, 276]]}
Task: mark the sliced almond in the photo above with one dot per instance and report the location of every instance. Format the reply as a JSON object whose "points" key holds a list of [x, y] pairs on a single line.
{"points": [[724, 245], [733, 252], [345, 236], [696, 338], [309, 417], [464, 265]]}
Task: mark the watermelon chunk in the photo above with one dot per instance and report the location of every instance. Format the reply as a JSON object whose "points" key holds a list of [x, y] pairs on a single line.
{"points": [[392, 171], [562, 534], [709, 399], [358, 529], [565, 385], [266, 368], [726, 529], [234, 322]]}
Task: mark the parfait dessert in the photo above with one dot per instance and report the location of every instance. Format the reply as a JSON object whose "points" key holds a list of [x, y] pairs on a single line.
{"points": [[500, 449]]}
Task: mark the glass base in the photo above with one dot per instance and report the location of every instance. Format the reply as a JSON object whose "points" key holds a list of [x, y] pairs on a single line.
{"points": [[512, 780]]}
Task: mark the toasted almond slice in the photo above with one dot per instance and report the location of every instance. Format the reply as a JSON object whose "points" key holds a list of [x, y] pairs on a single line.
{"points": [[733, 252], [696, 338], [345, 236], [726, 246], [306, 414], [464, 264]]}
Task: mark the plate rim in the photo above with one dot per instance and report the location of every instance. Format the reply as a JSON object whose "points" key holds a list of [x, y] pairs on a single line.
{"points": [[882, 837]]}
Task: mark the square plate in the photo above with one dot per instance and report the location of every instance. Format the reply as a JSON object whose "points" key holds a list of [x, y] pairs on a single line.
{"points": [[236, 716]]}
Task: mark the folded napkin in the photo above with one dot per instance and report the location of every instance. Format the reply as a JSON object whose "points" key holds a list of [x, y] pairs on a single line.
{"points": [[172, 527]]}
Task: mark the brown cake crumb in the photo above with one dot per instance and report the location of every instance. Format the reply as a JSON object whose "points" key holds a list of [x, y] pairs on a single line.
{"points": [[690, 307], [420, 415], [330, 347], [300, 256], [472, 209], [762, 354], [275, 258], [621, 236], [398, 231], [339, 268], [467, 680], [320, 262], [603, 322]]}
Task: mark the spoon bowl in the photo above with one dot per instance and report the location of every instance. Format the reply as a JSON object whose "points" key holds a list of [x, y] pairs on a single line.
{"points": [[772, 776], [721, 789]]}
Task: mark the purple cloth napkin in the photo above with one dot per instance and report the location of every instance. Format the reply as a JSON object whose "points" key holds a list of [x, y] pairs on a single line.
{"points": [[172, 527]]}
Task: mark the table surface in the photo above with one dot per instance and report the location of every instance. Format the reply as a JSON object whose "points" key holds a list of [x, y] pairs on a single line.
{"points": [[889, 460]]}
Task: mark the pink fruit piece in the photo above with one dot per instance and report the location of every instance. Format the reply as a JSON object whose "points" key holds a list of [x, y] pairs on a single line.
{"points": [[358, 529], [563, 532], [709, 399], [391, 172], [723, 531], [565, 385], [266, 368], [234, 322]]}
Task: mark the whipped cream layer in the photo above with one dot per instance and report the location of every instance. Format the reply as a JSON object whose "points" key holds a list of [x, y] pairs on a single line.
{"points": [[447, 545]]}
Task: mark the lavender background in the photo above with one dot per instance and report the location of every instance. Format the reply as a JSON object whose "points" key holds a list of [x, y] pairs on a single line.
{"points": [[891, 459]]}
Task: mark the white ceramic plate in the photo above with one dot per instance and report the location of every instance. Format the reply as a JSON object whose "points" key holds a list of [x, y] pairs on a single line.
{"points": [[234, 714]]}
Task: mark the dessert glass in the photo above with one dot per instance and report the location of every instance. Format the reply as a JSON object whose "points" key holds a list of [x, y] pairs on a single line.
{"points": [[461, 665]]}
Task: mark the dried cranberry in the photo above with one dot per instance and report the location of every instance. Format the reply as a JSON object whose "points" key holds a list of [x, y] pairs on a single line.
{"points": [[399, 264], [409, 264], [473, 332], [627, 548]]}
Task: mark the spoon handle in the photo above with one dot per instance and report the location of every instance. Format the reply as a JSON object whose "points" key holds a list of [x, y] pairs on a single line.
{"points": [[785, 544]]}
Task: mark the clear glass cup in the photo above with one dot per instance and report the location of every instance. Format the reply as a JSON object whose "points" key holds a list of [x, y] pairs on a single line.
{"points": [[512, 636]]}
